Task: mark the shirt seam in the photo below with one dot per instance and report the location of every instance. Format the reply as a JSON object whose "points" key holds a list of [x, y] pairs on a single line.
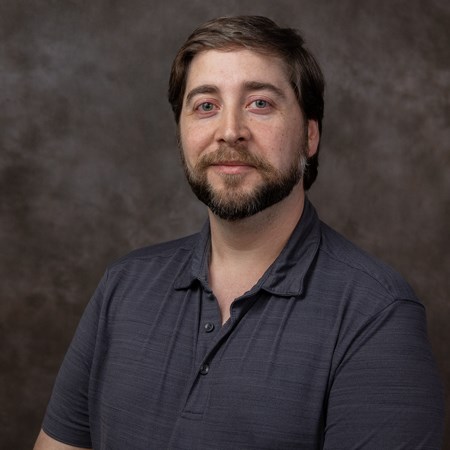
{"points": [[385, 288]]}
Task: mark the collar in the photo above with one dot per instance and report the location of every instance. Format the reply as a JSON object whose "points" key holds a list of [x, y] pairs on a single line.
{"points": [[285, 277]]}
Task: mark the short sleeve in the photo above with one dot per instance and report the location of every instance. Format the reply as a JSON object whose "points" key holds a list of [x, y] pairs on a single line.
{"points": [[67, 415], [386, 393]]}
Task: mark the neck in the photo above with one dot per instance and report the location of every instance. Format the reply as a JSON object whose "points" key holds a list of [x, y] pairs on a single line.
{"points": [[258, 239], [242, 251]]}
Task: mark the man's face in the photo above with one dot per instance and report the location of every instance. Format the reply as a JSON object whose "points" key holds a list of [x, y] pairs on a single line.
{"points": [[242, 132]]}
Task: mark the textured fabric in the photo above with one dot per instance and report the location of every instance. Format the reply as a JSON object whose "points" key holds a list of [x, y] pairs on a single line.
{"points": [[328, 350]]}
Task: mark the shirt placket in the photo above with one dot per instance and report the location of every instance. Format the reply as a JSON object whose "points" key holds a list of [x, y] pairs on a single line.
{"points": [[209, 329], [211, 337]]}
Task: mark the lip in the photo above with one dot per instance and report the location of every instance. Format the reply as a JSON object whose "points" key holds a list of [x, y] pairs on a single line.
{"points": [[232, 167]]}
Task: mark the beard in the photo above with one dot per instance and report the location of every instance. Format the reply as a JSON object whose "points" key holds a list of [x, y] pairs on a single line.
{"points": [[233, 203]]}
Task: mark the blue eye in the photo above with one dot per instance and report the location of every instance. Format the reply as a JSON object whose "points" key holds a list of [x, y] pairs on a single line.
{"points": [[261, 103], [206, 107]]}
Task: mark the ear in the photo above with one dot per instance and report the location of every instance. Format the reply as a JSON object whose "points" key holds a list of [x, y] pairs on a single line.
{"points": [[313, 137]]}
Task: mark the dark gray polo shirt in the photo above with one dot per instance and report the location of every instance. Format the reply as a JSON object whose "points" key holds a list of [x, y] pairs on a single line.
{"points": [[328, 350]]}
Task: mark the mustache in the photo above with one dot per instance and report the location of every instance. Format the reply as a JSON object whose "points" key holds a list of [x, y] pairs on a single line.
{"points": [[237, 154]]}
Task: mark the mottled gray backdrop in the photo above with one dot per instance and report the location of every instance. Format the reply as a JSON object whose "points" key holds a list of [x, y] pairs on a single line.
{"points": [[89, 166]]}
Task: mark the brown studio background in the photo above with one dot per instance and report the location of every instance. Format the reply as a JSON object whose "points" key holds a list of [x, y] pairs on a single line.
{"points": [[89, 166]]}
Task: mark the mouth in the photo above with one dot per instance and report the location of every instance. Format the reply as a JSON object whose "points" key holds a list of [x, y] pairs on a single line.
{"points": [[231, 163], [232, 167]]}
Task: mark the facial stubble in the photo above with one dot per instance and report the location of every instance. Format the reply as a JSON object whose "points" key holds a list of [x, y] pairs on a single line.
{"points": [[233, 202]]}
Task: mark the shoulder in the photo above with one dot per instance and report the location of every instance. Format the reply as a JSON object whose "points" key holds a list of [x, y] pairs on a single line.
{"points": [[161, 250], [160, 261], [355, 268]]}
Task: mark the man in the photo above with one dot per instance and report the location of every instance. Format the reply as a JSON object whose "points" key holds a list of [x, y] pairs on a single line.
{"points": [[267, 329]]}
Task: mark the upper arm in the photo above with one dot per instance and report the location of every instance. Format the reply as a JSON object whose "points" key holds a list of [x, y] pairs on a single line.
{"points": [[386, 392], [45, 442], [67, 417]]}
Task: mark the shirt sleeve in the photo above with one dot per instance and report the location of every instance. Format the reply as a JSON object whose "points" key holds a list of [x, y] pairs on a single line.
{"points": [[67, 415], [386, 393]]}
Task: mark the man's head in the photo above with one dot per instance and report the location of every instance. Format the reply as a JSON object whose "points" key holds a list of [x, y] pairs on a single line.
{"points": [[261, 35]]}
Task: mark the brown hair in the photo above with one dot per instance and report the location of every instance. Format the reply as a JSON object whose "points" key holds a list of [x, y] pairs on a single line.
{"points": [[262, 35]]}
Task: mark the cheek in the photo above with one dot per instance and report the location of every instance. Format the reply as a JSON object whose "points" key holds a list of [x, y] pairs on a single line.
{"points": [[187, 138], [278, 142], [192, 135], [289, 147], [192, 145]]}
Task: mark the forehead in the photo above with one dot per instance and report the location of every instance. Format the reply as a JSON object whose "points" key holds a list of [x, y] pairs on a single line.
{"points": [[236, 65]]}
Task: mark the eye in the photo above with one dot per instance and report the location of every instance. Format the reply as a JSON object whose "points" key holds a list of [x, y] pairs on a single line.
{"points": [[205, 107], [260, 103], [260, 106]]}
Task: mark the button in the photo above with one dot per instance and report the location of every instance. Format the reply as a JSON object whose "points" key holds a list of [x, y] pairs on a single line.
{"points": [[209, 327], [204, 369]]}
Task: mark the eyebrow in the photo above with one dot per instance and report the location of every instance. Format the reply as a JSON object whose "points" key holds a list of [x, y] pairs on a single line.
{"points": [[203, 89], [248, 86], [262, 86]]}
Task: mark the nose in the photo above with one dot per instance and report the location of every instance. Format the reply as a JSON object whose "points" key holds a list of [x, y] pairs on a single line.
{"points": [[232, 127]]}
